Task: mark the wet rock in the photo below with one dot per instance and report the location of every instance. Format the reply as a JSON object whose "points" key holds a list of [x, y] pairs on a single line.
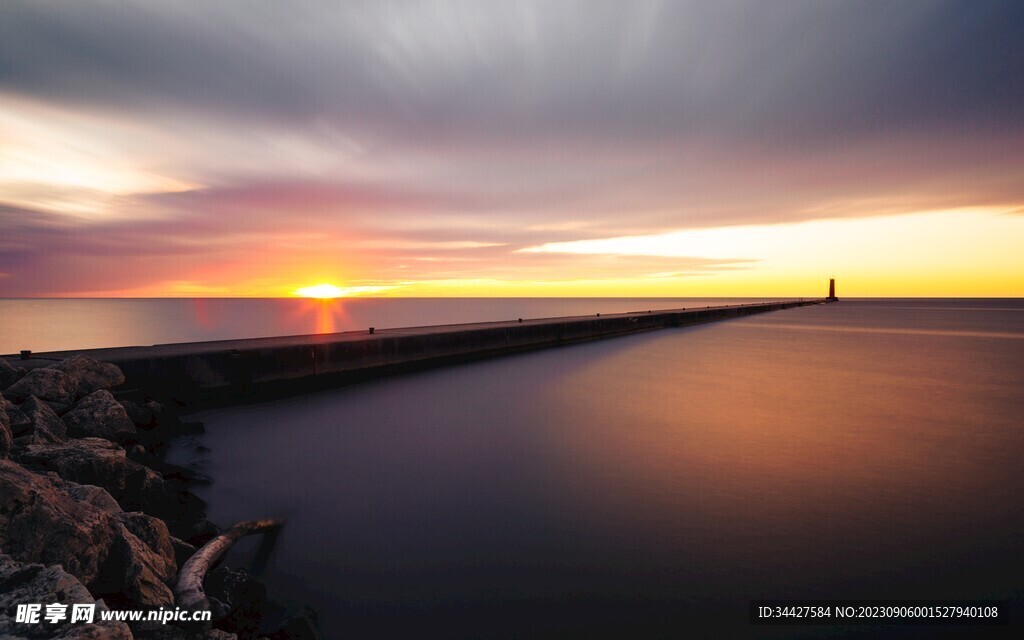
{"points": [[88, 375], [41, 522], [134, 574], [50, 385], [98, 415], [196, 532], [59, 408], [8, 374], [93, 496], [19, 422], [6, 440], [243, 595], [187, 476], [182, 551], [44, 426], [153, 532], [99, 462], [144, 415], [146, 490], [22, 583], [85, 461]]}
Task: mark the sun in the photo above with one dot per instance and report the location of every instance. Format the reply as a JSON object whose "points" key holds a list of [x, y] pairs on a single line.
{"points": [[322, 291]]}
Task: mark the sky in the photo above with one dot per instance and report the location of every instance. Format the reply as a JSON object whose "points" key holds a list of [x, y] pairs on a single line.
{"points": [[547, 148]]}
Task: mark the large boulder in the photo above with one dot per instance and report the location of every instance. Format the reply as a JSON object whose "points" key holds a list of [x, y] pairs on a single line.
{"points": [[19, 422], [194, 531], [94, 496], [88, 374], [99, 415], [8, 374], [92, 461], [182, 551], [135, 574], [99, 462], [153, 532], [51, 385], [22, 583], [44, 426], [6, 440], [146, 490], [240, 596], [40, 522], [143, 415]]}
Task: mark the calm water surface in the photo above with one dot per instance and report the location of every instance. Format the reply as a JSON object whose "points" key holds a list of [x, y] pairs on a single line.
{"points": [[651, 484]]}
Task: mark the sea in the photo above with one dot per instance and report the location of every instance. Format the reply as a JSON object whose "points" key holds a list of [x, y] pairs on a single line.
{"points": [[644, 486]]}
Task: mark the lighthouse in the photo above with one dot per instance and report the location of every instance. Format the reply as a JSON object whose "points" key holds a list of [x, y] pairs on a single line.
{"points": [[832, 291]]}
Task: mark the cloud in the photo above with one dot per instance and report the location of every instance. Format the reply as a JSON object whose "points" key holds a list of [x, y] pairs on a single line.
{"points": [[449, 135], [452, 69]]}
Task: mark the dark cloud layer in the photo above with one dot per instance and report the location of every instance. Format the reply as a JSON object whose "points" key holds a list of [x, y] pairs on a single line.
{"points": [[591, 69]]}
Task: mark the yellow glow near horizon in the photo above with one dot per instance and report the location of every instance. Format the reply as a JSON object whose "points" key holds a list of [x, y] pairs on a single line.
{"points": [[962, 252], [320, 291], [329, 291]]}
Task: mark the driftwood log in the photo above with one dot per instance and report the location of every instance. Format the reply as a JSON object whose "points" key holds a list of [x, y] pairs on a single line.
{"points": [[188, 592]]}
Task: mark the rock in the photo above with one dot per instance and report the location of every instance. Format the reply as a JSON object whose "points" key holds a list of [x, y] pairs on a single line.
{"points": [[243, 595], [59, 407], [85, 461], [182, 551], [99, 462], [94, 496], [187, 476], [8, 374], [134, 574], [195, 532], [41, 522], [44, 426], [6, 440], [146, 490], [35, 583], [88, 375], [19, 422], [153, 532], [50, 385], [143, 415], [98, 415]]}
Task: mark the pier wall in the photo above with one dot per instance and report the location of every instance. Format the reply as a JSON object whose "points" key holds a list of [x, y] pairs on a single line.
{"points": [[211, 371]]}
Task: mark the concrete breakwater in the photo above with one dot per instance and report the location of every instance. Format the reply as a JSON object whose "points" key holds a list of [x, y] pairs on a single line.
{"points": [[206, 371]]}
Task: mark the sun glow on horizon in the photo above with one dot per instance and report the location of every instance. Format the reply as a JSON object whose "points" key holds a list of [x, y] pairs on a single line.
{"points": [[325, 291], [321, 291]]}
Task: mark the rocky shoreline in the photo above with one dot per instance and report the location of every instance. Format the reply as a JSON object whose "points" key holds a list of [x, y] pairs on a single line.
{"points": [[90, 512]]}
